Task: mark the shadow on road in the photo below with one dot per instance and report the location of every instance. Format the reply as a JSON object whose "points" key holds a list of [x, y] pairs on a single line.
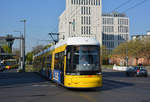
{"points": [[114, 74], [110, 82], [107, 85], [14, 78]]}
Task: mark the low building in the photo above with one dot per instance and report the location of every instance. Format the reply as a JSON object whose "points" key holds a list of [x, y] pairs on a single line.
{"points": [[141, 36]]}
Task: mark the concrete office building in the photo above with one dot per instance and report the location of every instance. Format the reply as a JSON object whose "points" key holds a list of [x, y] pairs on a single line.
{"points": [[115, 29], [81, 18]]}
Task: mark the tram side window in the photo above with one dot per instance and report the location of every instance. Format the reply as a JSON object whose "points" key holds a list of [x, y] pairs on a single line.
{"points": [[48, 61], [59, 61], [43, 62], [69, 55]]}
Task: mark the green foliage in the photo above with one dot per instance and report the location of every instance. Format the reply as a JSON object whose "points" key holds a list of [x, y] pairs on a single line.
{"points": [[104, 55], [146, 48], [6, 49], [29, 57], [134, 48], [47, 46], [35, 50]]}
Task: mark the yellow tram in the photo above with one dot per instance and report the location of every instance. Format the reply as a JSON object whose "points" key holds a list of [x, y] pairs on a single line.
{"points": [[73, 63]]}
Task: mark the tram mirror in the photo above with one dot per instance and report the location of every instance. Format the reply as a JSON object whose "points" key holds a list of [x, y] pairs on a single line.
{"points": [[65, 53]]}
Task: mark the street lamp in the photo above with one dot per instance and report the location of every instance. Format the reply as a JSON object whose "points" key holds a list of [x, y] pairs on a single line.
{"points": [[24, 21], [21, 52], [126, 54]]}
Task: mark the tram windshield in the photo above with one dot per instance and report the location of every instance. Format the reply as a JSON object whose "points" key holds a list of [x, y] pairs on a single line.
{"points": [[84, 58]]}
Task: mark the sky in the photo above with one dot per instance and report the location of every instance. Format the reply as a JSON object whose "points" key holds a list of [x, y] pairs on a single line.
{"points": [[43, 16]]}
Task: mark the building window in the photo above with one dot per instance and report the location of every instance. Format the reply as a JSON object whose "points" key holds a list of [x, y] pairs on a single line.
{"points": [[91, 2], [82, 30], [89, 10], [86, 2], [94, 2], [108, 21], [99, 2], [123, 29], [89, 30], [82, 20], [71, 1], [73, 23], [82, 10], [89, 20], [108, 29], [83, 2], [123, 21]]}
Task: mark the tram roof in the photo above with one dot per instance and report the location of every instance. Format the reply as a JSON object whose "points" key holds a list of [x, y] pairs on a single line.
{"points": [[78, 41], [71, 41]]}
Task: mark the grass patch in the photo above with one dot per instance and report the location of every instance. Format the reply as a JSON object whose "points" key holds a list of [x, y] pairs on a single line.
{"points": [[29, 68]]}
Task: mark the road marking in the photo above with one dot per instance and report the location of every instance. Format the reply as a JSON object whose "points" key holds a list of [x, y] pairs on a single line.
{"points": [[43, 85], [90, 99]]}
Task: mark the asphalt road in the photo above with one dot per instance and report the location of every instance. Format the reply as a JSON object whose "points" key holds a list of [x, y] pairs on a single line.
{"points": [[30, 87]]}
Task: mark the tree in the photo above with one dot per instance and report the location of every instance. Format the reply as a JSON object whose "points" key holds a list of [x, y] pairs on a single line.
{"points": [[135, 49], [146, 48], [47, 46], [37, 49], [6, 49], [29, 57], [104, 55], [121, 51], [16, 52]]}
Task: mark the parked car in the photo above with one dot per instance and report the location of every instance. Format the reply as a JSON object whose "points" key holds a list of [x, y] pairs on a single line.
{"points": [[2, 67], [137, 71]]}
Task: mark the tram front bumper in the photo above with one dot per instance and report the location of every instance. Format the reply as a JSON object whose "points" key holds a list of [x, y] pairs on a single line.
{"points": [[84, 81]]}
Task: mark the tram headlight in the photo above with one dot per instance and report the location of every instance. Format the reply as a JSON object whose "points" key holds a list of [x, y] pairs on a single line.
{"points": [[99, 73]]}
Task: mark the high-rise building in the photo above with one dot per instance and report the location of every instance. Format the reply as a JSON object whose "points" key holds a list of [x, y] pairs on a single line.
{"points": [[115, 30], [84, 18], [81, 18]]}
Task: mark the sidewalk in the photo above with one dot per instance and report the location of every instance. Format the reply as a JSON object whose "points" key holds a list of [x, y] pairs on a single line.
{"points": [[105, 69], [148, 69]]}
